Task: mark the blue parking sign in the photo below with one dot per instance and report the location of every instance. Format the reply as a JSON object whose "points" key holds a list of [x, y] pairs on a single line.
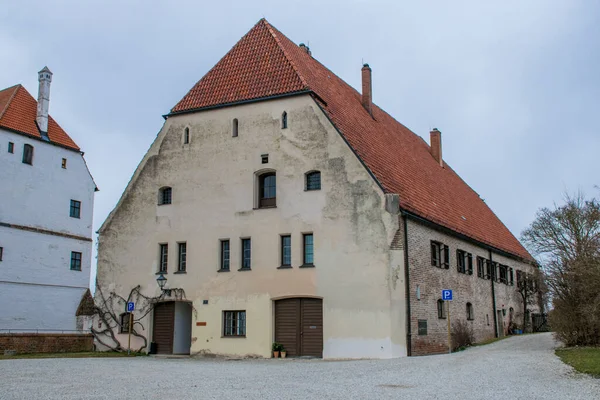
{"points": [[446, 294], [130, 306]]}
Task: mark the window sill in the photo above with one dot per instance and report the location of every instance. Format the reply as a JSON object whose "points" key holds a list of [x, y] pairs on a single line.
{"points": [[285, 267], [234, 337], [161, 272], [164, 204], [73, 269], [312, 190], [307, 266], [245, 269], [264, 207], [180, 272], [223, 270]]}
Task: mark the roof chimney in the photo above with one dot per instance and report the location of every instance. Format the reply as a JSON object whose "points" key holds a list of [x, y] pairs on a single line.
{"points": [[435, 140], [45, 78], [367, 100], [305, 48]]}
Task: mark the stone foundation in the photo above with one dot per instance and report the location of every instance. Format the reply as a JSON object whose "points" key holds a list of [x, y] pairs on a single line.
{"points": [[45, 342]]}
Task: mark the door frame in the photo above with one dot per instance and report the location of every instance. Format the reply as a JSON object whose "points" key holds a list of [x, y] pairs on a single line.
{"points": [[299, 297]]}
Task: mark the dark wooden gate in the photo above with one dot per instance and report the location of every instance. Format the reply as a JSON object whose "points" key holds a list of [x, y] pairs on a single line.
{"points": [[299, 326], [163, 327]]}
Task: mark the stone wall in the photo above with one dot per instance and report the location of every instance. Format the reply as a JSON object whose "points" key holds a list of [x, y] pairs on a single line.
{"points": [[45, 342]]}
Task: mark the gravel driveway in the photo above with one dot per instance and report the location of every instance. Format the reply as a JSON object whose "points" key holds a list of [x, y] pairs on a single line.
{"points": [[517, 368]]}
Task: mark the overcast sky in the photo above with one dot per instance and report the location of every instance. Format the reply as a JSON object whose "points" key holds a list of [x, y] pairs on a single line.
{"points": [[514, 86]]}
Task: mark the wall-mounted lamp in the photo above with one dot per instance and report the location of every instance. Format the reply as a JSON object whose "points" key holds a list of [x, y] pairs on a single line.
{"points": [[162, 281]]}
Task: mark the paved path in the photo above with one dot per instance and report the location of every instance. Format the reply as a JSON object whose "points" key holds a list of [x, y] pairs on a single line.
{"points": [[522, 367]]}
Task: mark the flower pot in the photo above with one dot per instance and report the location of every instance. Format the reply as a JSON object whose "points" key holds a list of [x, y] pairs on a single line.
{"points": [[275, 354], [283, 354]]}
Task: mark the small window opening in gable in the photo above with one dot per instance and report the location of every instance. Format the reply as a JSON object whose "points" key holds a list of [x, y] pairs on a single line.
{"points": [[313, 180], [165, 195], [264, 158], [186, 136], [28, 154], [1, 252], [234, 129], [284, 120], [64, 163], [11, 147], [441, 309]]}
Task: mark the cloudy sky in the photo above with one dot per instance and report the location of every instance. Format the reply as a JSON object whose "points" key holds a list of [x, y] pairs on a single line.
{"points": [[514, 86]]}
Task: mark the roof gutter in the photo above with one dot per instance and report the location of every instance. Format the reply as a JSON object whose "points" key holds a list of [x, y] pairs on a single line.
{"points": [[236, 103]]}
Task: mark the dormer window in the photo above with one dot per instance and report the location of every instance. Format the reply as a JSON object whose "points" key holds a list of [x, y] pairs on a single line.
{"points": [[234, 128], [186, 136], [165, 195], [284, 120]]}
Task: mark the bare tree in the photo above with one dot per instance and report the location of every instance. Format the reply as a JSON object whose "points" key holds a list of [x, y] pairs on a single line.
{"points": [[531, 289], [567, 240]]}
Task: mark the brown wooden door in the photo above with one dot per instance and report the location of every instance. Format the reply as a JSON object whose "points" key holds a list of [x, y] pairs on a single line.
{"points": [[163, 327], [299, 326]]}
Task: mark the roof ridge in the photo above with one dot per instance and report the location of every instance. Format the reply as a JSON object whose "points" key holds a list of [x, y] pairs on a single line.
{"points": [[12, 96], [271, 29]]}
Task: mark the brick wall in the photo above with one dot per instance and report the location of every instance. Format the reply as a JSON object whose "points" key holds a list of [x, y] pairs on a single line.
{"points": [[430, 281], [46, 342]]}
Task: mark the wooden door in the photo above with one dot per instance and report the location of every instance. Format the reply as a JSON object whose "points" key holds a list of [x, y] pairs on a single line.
{"points": [[299, 326], [163, 327]]}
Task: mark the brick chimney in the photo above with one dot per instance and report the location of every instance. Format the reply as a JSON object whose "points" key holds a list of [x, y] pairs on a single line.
{"points": [[367, 100], [45, 78], [305, 48], [435, 140]]}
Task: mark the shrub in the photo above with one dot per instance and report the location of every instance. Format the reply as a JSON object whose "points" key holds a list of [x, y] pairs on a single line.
{"points": [[462, 335]]}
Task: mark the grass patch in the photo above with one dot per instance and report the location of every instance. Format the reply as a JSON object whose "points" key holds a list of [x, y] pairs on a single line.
{"points": [[583, 359], [490, 341], [97, 354]]}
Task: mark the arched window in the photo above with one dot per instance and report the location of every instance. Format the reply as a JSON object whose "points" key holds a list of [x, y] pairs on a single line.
{"points": [[267, 190], [28, 154], [470, 313], [441, 309], [234, 128], [165, 195], [124, 319], [186, 136], [284, 120], [313, 180]]}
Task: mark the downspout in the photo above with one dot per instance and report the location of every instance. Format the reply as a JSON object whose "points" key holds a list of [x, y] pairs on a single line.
{"points": [[496, 333], [407, 288]]}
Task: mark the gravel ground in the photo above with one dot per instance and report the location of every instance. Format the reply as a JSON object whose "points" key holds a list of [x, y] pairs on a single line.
{"points": [[522, 367]]}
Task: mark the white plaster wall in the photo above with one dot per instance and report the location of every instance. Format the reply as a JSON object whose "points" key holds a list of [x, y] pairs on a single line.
{"points": [[213, 198], [38, 196]]}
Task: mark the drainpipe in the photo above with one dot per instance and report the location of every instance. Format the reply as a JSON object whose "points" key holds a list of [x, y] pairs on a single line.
{"points": [[407, 284], [493, 295]]}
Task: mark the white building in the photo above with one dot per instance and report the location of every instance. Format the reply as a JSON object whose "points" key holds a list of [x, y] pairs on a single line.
{"points": [[46, 214]]}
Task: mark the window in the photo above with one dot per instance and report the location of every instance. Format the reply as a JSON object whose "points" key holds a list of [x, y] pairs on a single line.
{"points": [[284, 120], [313, 180], [75, 209], [441, 309], [64, 163], [234, 128], [163, 260], [186, 136], [480, 267], [1, 252], [28, 154], [246, 254], [225, 255], [488, 269], [165, 195], [234, 323], [181, 265], [267, 190], [75, 261], [11, 147], [511, 276], [487, 319], [503, 274], [440, 255], [308, 249], [286, 251], [470, 314], [124, 322], [264, 158], [464, 262], [422, 327]]}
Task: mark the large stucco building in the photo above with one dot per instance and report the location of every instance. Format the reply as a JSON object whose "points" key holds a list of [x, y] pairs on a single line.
{"points": [[286, 206], [45, 216]]}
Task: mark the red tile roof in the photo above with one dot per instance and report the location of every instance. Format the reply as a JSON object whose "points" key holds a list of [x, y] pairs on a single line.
{"points": [[18, 111], [265, 63]]}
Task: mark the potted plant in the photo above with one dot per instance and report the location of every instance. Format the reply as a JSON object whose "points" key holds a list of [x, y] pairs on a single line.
{"points": [[276, 346], [282, 351]]}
